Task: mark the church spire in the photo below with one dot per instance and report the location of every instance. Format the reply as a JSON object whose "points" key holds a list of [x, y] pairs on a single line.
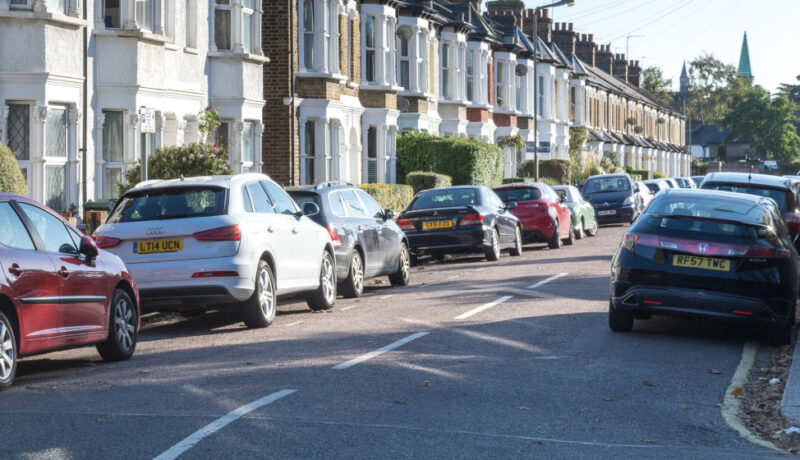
{"points": [[684, 80], [744, 62]]}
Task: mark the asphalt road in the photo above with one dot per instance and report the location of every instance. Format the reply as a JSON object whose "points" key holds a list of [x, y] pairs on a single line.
{"points": [[536, 375]]}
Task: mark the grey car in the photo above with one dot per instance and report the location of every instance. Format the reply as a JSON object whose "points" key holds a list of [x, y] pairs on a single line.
{"points": [[366, 240]]}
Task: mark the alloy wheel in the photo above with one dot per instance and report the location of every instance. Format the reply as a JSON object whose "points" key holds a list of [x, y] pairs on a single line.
{"points": [[124, 318], [405, 262], [357, 272], [7, 352], [266, 294], [328, 289], [495, 243]]}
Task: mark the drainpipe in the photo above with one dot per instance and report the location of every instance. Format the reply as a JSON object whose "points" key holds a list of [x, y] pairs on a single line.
{"points": [[292, 30], [85, 133]]}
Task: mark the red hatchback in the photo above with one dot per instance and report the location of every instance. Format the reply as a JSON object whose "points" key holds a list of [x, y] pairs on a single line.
{"points": [[544, 216], [57, 290]]}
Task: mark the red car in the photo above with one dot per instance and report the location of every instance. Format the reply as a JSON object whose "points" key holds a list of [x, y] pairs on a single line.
{"points": [[57, 290], [544, 216]]}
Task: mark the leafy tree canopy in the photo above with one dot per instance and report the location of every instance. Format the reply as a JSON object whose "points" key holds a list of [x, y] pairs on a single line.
{"points": [[653, 82], [768, 123]]}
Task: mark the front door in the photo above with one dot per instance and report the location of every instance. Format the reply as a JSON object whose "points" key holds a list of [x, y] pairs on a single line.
{"points": [[84, 288]]}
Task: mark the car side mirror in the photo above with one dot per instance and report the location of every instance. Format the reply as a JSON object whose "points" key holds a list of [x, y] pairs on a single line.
{"points": [[388, 214], [310, 209], [635, 189], [88, 248], [511, 205], [562, 198]]}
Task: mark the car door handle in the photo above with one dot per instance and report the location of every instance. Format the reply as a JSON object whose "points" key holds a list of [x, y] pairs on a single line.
{"points": [[15, 270], [294, 230], [63, 272], [270, 229], [360, 229]]}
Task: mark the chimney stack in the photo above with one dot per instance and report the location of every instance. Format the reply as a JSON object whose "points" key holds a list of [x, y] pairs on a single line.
{"points": [[604, 59], [565, 38], [586, 49], [634, 73], [507, 12], [544, 26], [621, 67]]}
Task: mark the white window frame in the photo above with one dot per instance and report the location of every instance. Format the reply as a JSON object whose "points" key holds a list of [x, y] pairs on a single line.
{"points": [[371, 49], [247, 165], [447, 73], [191, 24], [500, 71], [249, 14], [422, 55], [469, 72], [23, 6], [389, 50], [24, 164], [113, 164], [308, 156], [213, 35], [62, 10], [405, 33], [147, 4]]}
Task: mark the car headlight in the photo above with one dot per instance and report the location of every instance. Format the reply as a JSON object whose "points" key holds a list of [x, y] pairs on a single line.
{"points": [[628, 201]]}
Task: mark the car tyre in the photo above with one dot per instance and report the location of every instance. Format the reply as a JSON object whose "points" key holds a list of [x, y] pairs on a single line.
{"points": [[570, 240], [555, 240], [353, 286], [581, 231], [782, 335], [619, 321], [493, 252], [324, 296], [516, 251], [121, 341], [260, 309], [593, 230], [8, 353], [403, 274]]}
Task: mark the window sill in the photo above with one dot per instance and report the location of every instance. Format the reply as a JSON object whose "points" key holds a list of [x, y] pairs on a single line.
{"points": [[374, 87], [453, 101], [189, 50], [137, 33], [257, 58], [56, 18], [330, 76], [171, 47]]}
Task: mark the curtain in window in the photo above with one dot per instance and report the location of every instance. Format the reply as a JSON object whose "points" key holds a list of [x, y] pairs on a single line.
{"points": [[222, 26], [19, 122], [56, 133], [113, 177], [112, 136], [55, 187]]}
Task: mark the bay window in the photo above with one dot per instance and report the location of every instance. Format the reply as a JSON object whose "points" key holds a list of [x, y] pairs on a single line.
{"points": [[540, 97], [447, 78], [191, 24], [500, 79], [518, 74], [470, 76], [318, 36], [389, 51], [369, 48], [422, 56], [372, 155], [55, 154], [248, 141], [21, 4], [404, 70], [248, 25], [111, 13], [113, 152], [222, 24], [309, 153], [222, 135], [308, 34], [145, 14]]}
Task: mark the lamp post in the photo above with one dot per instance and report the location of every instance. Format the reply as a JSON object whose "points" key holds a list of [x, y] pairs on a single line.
{"points": [[536, 79]]}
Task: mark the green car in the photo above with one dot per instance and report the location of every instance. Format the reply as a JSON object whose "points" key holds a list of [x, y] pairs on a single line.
{"points": [[583, 218]]}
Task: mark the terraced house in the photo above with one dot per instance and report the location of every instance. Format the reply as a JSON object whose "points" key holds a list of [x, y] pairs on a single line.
{"points": [[358, 73], [87, 88]]}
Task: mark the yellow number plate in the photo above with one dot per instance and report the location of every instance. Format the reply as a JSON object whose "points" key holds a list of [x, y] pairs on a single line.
{"points": [[706, 263], [153, 247], [436, 224]]}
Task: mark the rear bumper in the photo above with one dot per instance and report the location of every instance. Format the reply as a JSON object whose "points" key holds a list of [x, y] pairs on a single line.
{"points": [[535, 236], [653, 300], [472, 239], [621, 214]]}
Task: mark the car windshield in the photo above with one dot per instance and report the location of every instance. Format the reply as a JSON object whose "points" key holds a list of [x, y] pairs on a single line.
{"points": [[518, 194], [606, 184], [442, 198], [653, 187], [175, 203], [776, 194]]}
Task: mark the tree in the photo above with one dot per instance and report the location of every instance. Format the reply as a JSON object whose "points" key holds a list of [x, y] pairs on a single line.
{"points": [[178, 161], [791, 91], [653, 82], [11, 178], [711, 86], [769, 124]]}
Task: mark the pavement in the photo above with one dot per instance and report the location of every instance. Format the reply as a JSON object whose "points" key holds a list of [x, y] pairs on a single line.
{"points": [[790, 403], [474, 359]]}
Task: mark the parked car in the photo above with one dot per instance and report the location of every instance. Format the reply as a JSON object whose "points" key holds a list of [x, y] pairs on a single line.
{"points": [[367, 242], [784, 191], [462, 219], [220, 241], [614, 197], [698, 180], [57, 290], [710, 254], [543, 215], [656, 185], [684, 182], [583, 217], [644, 196], [672, 182]]}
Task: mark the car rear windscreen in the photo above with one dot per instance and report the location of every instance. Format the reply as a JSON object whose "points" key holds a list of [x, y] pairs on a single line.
{"points": [[776, 194], [301, 198], [174, 203], [443, 198], [606, 184], [518, 194]]}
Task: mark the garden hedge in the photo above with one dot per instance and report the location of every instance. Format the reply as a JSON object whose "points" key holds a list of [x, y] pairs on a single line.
{"points": [[642, 173], [516, 180], [421, 180], [466, 161], [545, 180], [175, 161], [11, 178], [556, 169], [390, 196]]}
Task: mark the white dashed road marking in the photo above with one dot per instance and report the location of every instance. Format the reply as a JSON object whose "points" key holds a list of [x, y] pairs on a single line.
{"points": [[545, 281], [347, 308], [379, 351], [292, 324], [487, 306], [220, 423]]}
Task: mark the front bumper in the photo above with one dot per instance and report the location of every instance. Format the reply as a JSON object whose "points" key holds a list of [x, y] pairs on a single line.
{"points": [[620, 214], [644, 301], [471, 239]]}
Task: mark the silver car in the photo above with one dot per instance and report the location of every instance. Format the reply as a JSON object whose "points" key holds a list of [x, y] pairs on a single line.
{"points": [[217, 241]]}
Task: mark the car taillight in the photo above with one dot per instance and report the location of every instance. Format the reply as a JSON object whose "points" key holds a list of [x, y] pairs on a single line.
{"points": [[104, 242], [229, 233], [792, 221], [766, 252], [472, 219], [406, 225], [334, 236], [703, 248]]}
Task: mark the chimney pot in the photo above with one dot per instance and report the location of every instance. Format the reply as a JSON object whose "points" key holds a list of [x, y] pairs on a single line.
{"points": [[591, 37], [570, 27], [637, 63], [546, 13]]}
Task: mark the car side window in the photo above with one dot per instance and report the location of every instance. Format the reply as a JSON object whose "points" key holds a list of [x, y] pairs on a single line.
{"points": [[373, 208], [337, 204], [13, 233], [261, 201], [353, 205], [248, 205], [52, 231], [283, 202]]}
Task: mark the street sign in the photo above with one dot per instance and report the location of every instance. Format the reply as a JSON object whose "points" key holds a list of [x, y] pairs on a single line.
{"points": [[771, 164], [544, 147], [530, 147], [147, 120]]}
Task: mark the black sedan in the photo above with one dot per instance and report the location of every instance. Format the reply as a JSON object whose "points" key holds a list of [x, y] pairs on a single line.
{"points": [[703, 253], [464, 219]]}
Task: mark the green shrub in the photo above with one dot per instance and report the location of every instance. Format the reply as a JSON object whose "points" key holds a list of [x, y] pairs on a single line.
{"points": [[514, 180], [643, 174], [557, 169], [181, 160], [420, 180], [390, 196], [658, 175], [551, 181], [466, 161], [11, 178]]}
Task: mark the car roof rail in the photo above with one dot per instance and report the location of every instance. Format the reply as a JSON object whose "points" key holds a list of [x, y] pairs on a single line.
{"points": [[332, 183]]}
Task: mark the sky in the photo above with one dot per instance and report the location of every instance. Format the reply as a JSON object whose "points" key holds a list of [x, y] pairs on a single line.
{"points": [[667, 32]]}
